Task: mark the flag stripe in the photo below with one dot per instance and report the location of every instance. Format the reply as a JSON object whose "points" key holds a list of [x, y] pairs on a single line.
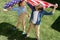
{"points": [[37, 2]]}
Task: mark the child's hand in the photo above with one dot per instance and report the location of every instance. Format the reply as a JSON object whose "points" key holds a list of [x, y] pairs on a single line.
{"points": [[55, 6], [28, 15], [10, 8]]}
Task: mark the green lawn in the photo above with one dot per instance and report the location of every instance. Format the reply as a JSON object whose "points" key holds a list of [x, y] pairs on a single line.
{"points": [[50, 27]]}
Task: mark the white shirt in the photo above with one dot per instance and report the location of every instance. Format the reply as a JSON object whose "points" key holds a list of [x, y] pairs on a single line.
{"points": [[35, 16]]}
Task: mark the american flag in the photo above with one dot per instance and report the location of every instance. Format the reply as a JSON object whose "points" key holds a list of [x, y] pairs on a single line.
{"points": [[32, 2], [37, 2]]}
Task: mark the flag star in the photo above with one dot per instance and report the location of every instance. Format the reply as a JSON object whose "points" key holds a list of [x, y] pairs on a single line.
{"points": [[14, 4], [13, 1], [7, 5], [17, 2]]}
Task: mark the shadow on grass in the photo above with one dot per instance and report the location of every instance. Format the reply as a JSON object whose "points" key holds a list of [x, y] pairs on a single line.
{"points": [[56, 24], [6, 29]]}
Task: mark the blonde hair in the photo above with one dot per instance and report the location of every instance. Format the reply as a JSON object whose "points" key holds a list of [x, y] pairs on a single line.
{"points": [[38, 7]]}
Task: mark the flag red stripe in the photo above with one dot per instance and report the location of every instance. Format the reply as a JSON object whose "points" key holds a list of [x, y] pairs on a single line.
{"points": [[31, 2]]}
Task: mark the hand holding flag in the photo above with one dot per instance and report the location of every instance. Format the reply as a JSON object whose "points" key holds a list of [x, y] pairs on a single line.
{"points": [[56, 5]]}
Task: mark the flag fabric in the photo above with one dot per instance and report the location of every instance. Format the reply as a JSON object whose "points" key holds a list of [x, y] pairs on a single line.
{"points": [[37, 2], [11, 3], [32, 2]]}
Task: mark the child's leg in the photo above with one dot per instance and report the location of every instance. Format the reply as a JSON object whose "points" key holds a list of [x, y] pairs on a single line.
{"points": [[24, 25], [19, 21], [37, 28], [29, 29], [23, 16]]}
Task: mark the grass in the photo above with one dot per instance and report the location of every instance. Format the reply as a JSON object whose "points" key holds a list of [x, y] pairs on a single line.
{"points": [[49, 28]]}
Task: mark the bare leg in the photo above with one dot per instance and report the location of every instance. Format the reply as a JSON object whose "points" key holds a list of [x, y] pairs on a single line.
{"points": [[18, 23], [23, 25], [29, 29], [37, 28]]}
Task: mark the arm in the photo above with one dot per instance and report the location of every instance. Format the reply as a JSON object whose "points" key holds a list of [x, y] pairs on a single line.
{"points": [[32, 7], [53, 10], [14, 8], [55, 6], [47, 13]]}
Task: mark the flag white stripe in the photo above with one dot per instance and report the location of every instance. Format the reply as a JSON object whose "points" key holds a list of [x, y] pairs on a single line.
{"points": [[35, 2]]}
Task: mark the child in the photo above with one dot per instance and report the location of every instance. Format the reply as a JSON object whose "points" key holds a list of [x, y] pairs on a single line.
{"points": [[35, 21], [22, 11]]}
